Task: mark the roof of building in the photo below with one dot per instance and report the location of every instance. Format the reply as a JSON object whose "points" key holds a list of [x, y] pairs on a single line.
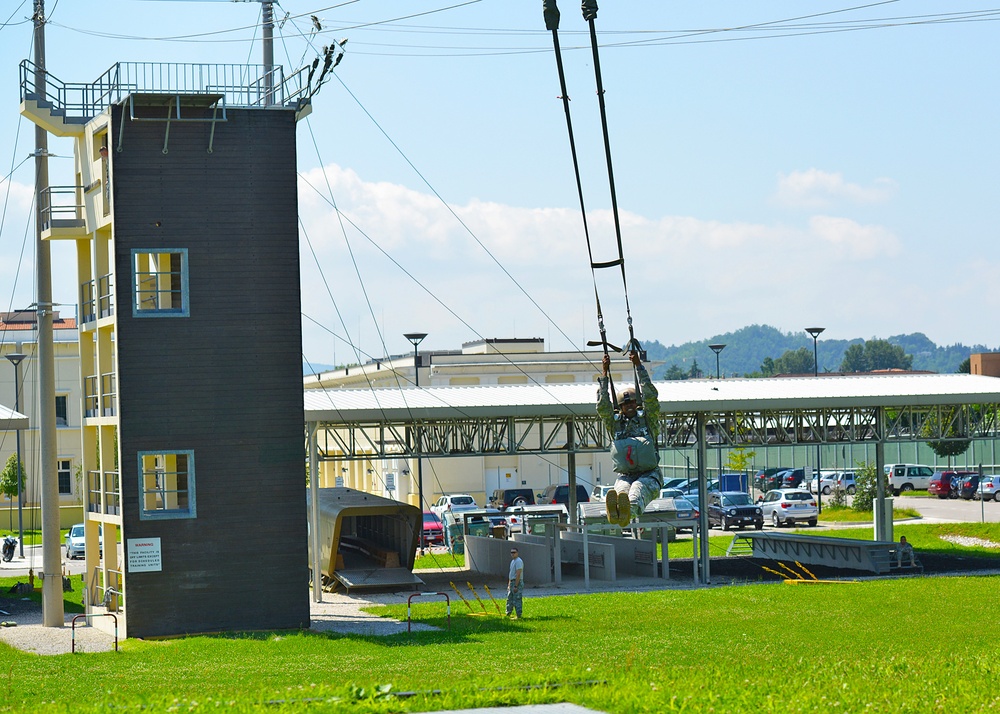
{"points": [[841, 391], [28, 320]]}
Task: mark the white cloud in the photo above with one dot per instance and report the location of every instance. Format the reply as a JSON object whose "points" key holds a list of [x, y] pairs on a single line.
{"points": [[686, 275], [814, 188], [854, 241]]}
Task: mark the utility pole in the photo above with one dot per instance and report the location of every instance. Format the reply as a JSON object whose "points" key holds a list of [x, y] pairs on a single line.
{"points": [[267, 15], [53, 614]]}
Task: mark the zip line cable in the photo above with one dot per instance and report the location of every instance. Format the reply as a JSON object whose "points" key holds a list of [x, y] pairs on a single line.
{"points": [[447, 207], [455, 215]]}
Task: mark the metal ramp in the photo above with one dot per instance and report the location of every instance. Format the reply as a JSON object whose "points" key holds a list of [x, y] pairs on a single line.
{"points": [[377, 578], [873, 556], [739, 546]]}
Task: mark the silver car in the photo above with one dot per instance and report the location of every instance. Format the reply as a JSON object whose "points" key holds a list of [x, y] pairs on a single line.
{"points": [[75, 545], [989, 489], [784, 506]]}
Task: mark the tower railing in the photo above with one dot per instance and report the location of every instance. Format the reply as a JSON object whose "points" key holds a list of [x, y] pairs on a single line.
{"points": [[240, 85]]}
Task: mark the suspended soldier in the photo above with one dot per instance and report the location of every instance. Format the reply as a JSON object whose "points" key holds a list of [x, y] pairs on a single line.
{"points": [[634, 453]]}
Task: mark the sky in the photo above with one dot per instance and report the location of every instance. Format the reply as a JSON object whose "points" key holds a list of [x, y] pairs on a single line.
{"points": [[784, 163]]}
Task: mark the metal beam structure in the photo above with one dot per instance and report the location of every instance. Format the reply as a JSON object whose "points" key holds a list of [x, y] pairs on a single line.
{"points": [[508, 435]]}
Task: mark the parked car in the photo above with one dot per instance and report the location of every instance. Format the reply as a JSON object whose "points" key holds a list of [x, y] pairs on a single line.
{"points": [[433, 532], [454, 502], [989, 489], [75, 544], [503, 498], [692, 486], [793, 478], [766, 479], [845, 481], [825, 482], [675, 482], [968, 486], [515, 519], [784, 506], [946, 484], [600, 492], [671, 493], [559, 493], [908, 477], [727, 509], [686, 511]]}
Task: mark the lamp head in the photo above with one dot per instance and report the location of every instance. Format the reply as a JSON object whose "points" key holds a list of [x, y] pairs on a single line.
{"points": [[16, 358]]}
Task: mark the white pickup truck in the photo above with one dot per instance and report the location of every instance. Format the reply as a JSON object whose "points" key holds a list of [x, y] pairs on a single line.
{"points": [[908, 477]]}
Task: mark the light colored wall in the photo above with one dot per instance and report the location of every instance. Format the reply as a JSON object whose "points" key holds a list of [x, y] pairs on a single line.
{"points": [[68, 438]]}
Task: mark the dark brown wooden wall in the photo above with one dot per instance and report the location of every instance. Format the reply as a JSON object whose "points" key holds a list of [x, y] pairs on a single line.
{"points": [[225, 381]]}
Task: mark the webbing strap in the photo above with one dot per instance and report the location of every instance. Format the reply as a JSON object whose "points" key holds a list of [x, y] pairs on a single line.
{"points": [[551, 14], [589, 8]]}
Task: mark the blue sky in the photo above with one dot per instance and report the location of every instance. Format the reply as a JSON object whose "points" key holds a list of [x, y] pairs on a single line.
{"points": [[834, 165]]}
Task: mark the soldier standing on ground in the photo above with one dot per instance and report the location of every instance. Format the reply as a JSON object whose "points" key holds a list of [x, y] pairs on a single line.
{"points": [[515, 585]]}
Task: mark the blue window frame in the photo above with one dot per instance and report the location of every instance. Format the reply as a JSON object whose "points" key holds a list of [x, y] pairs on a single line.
{"points": [[166, 485], [160, 282]]}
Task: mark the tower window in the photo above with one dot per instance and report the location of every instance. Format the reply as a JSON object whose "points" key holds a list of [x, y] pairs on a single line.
{"points": [[166, 485], [160, 283]]}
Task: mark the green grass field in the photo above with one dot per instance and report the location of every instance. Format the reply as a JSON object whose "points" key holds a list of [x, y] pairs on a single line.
{"points": [[879, 645]]}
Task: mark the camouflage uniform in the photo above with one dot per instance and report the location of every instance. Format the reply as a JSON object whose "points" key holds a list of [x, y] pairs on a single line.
{"points": [[642, 486], [515, 587]]}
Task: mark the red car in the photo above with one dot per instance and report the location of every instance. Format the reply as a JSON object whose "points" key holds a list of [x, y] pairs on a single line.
{"points": [[433, 532]]}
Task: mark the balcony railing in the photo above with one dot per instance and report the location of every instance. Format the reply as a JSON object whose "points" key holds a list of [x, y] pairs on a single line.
{"points": [[100, 403], [104, 492], [95, 299], [61, 206], [108, 394], [106, 590], [239, 85]]}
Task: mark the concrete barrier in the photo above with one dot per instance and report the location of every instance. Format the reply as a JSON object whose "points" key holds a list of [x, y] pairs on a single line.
{"points": [[491, 556]]}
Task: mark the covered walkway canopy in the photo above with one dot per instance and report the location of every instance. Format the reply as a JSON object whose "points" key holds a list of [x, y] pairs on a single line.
{"points": [[525, 419], [560, 418], [11, 420]]}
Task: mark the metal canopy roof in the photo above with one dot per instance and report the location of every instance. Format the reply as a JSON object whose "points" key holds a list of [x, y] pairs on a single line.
{"points": [[11, 420], [539, 419], [782, 393]]}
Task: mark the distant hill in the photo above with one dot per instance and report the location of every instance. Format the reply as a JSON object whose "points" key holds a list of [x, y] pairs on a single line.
{"points": [[316, 368], [747, 347]]}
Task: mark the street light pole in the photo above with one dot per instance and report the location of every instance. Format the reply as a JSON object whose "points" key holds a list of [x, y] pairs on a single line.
{"points": [[717, 348], [15, 359], [415, 339], [815, 332]]}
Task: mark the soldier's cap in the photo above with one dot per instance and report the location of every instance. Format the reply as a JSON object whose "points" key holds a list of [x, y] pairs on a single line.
{"points": [[627, 395]]}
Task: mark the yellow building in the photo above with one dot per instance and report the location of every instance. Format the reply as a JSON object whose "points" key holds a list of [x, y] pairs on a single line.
{"points": [[19, 330]]}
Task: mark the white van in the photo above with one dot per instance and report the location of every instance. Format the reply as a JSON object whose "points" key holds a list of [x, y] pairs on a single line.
{"points": [[908, 477]]}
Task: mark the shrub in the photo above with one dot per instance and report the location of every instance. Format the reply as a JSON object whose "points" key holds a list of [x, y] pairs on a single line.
{"points": [[866, 483]]}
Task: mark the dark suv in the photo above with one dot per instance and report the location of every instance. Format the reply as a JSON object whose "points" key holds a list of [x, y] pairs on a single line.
{"points": [[793, 478], [730, 509], [560, 494], [766, 479], [503, 498]]}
